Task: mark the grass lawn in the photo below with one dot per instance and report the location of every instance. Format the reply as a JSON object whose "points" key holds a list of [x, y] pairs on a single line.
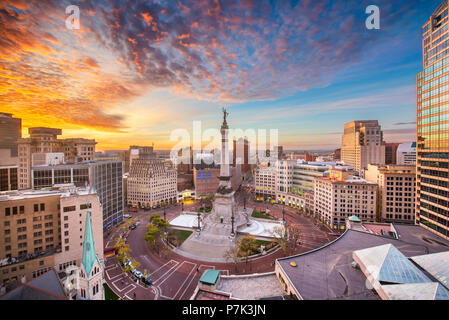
{"points": [[262, 243], [109, 294], [208, 210], [179, 236], [258, 214]]}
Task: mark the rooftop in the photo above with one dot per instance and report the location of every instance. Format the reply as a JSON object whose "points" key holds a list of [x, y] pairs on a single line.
{"points": [[349, 179], [395, 277], [207, 295], [64, 190], [436, 264], [77, 165], [327, 273], [252, 287], [210, 276], [44, 287]]}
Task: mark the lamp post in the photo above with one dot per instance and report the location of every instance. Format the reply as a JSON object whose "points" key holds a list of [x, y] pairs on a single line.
{"points": [[164, 214], [283, 215], [182, 206], [232, 223], [199, 216]]}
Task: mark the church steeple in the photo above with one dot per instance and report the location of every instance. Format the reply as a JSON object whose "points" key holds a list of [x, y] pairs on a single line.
{"points": [[89, 255]]}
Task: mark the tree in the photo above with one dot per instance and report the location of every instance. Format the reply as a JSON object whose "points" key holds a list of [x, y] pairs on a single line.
{"points": [[156, 229], [294, 235], [280, 235], [247, 245], [153, 234], [156, 220], [232, 254], [122, 249], [135, 264]]}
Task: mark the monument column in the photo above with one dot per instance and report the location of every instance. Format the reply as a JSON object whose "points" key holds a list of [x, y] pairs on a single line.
{"points": [[225, 175]]}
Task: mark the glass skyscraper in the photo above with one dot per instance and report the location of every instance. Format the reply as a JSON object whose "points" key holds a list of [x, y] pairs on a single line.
{"points": [[432, 203]]}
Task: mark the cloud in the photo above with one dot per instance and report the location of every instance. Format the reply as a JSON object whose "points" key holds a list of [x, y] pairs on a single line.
{"points": [[403, 123], [400, 131], [220, 51]]}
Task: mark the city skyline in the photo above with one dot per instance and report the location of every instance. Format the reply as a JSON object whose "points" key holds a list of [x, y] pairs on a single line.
{"points": [[132, 74], [227, 150]]}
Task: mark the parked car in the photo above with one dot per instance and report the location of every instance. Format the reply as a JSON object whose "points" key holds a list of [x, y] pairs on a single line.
{"points": [[137, 223], [127, 216], [133, 226], [137, 273]]}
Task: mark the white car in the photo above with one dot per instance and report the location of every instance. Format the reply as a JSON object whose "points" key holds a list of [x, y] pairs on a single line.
{"points": [[137, 273], [128, 216]]}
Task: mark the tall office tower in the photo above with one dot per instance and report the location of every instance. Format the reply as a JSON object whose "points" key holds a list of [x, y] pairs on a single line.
{"points": [[106, 177], [265, 182], [78, 149], [396, 192], [44, 141], [336, 155], [432, 112], [151, 183], [341, 195], [296, 181], [41, 140], [10, 132], [362, 144], [390, 153], [240, 154]]}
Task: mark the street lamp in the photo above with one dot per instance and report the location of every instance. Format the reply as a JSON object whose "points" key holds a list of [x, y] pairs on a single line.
{"points": [[199, 216], [164, 214], [283, 215], [232, 223], [182, 206]]}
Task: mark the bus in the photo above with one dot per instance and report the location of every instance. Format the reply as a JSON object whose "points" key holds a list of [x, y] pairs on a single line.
{"points": [[109, 252]]}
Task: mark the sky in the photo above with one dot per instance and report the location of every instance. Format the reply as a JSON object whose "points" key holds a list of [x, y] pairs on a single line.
{"points": [[135, 71]]}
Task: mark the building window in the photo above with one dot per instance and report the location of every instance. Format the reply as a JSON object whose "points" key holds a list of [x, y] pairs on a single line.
{"points": [[85, 206], [42, 206], [36, 207], [7, 212], [68, 209]]}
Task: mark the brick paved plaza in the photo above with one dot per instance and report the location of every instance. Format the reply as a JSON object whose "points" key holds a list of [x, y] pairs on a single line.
{"points": [[175, 277]]}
